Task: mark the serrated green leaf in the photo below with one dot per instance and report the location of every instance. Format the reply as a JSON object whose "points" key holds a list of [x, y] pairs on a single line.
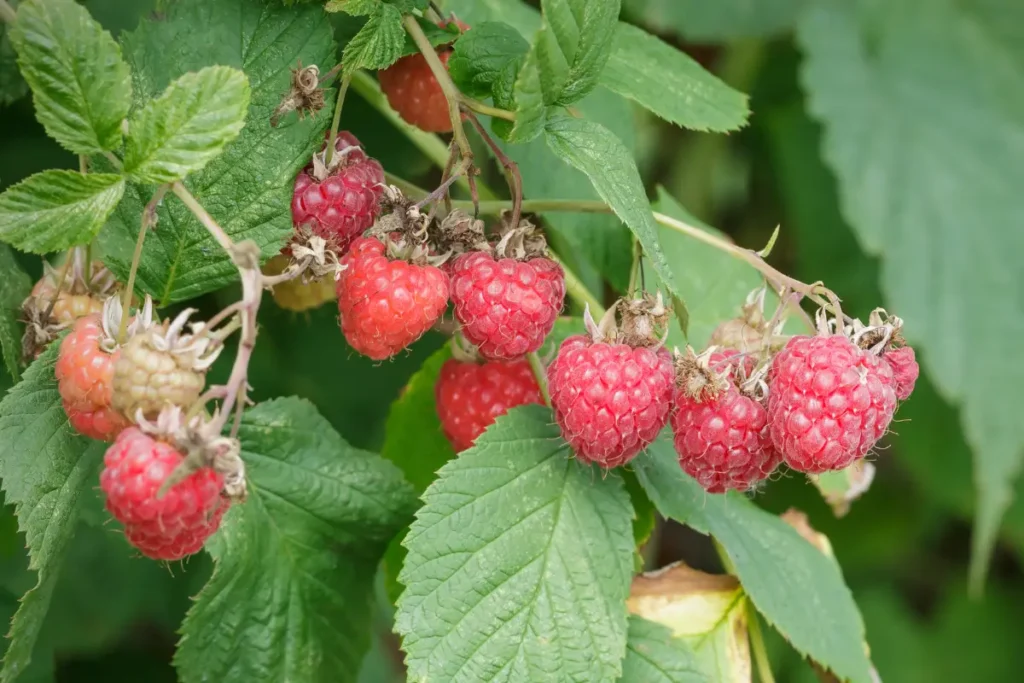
{"points": [[653, 655], [487, 59], [15, 285], [519, 563], [54, 210], [798, 589], [516, 13], [527, 101], [593, 149], [12, 85], [248, 188], [924, 126], [721, 20], [46, 468], [671, 84], [379, 42], [572, 46], [80, 84], [187, 126], [290, 598], [357, 8]]}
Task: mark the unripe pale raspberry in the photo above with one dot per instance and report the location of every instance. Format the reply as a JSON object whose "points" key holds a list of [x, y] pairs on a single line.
{"points": [[471, 396], [905, 370], [506, 307], [722, 436], [339, 203], [829, 402], [610, 400], [300, 294], [386, 304], [85, 373], [167, 526]]}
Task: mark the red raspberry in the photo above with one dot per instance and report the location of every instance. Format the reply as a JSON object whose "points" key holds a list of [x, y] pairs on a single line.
{"points": [[471, 396], [829, 402], [905, 370], [85, 374], [610, 400], [723, 442], [168, 526], [506, 307], [344, 203], [386, 304]]}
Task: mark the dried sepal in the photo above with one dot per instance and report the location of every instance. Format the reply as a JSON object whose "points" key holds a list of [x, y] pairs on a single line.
{"points": [[305, 95]]}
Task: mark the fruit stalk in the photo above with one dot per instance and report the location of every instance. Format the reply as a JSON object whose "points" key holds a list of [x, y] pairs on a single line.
{"points": [[149, 219], [336, 121], [541, 375]]}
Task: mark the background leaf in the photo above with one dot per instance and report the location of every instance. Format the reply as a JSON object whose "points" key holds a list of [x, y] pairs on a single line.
{"points": [[572, 46], [248, 188], [923, 141], [54, 210], [654, 656], [15, 286], [487, 59], [80, 85], [379, 43], [187, 126], [295, 562], [541, 546], [717, 20]]}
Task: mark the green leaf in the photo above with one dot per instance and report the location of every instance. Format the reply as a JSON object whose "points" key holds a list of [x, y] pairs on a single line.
{"points": [[714, 283], [572, 46], [653, 655], [187, 126], [379, 42], [526, 99], [248, 188], [720, 20], [15, 285], [12, 85], [290, 598], [671, 84], [516, 13], [81, 87], [924, 135], [519, 563], [798, 589], [54, 210], [591, 148], [486, 59], [47, 472]]}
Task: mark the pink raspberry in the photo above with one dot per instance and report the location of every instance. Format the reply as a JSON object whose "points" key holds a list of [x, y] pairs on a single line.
{"points": [[829, 402], [85, 378], [610, 400], [471, 396], [506, 307], [343, 202], [905, 370]]}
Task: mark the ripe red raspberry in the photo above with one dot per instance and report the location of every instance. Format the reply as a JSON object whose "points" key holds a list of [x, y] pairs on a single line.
{"points": [[471, 396], [722, 435], [610, 400], [387, 304], [340, 202], [905, 370], [506, 307], [168, 526], [85, 373], [829, 402]]}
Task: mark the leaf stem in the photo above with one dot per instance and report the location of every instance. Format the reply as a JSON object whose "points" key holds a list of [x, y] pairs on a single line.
{"points": [[336, 121], [7, 13], [540, 374], [205, 218], [634, 271], [513, 177], [764, 667], [148, 220], [486, 109]]}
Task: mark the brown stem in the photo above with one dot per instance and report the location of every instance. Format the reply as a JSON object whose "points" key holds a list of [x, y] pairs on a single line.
{"points": [[515, 180], [148, 220], [442, 190]]}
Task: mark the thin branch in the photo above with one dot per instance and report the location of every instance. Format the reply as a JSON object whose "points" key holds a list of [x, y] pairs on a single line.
{"points": [[336, 121], [515, 180], [486, 109], [205, 218], [764, 667], [148, 220]]}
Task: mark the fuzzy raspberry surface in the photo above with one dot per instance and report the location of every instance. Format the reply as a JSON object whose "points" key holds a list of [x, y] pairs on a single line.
{"points": [[471, 396], [724, 442], [386, 305], [610, 400], [905, 370], [415, 94], [343, 205], [506, 307], [85, 375], [166, 527], [829, 402]]}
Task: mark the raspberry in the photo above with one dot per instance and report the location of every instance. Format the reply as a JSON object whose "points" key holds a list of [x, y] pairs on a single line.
{"points": [[340, 202], [471, 396], [85, 373], [161, 367], [829, 402], [722, 439], [387, 304], [168, 526], [610, 399], [905, 370], [415, 94], [300, 294], [506, 306]]}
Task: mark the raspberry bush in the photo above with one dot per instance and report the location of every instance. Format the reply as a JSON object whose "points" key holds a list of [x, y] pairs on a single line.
{"points": [[382, 324]]}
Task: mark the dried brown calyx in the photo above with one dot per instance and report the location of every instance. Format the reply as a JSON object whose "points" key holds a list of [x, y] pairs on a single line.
{"points": [[459, 233], [635, 322], [521, 242], [305, 95], [749, 332], [882, 333]]}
